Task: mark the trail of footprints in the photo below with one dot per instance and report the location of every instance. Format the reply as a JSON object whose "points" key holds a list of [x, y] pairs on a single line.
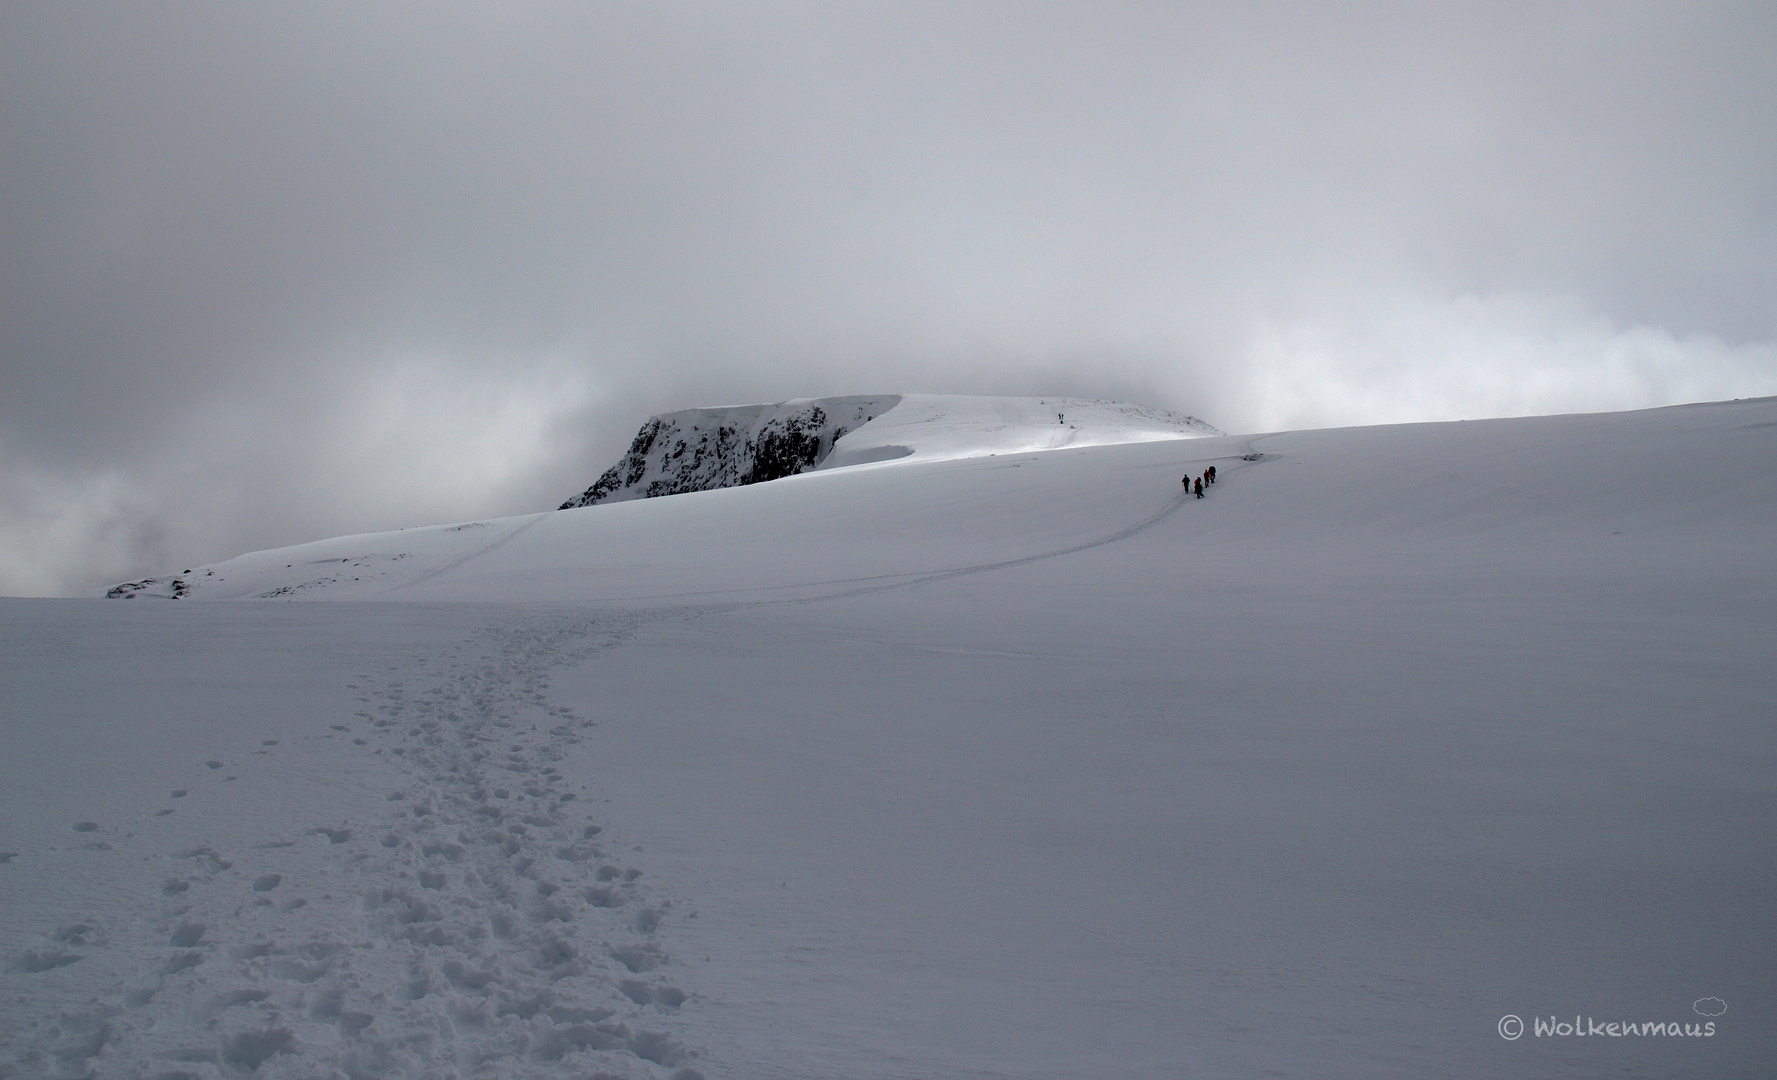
{"points": [[481, 929]]}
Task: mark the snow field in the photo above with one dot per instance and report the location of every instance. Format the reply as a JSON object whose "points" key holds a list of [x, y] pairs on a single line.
{"points": [[1010, 766], [1320, 776]]}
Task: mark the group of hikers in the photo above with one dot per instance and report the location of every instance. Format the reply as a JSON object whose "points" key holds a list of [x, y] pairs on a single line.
{"points": [[1208, 477]]}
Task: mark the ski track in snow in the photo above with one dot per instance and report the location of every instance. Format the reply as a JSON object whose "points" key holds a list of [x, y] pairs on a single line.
{"points": [[913, 579], [1172, 507], [1177, 503], [479, 928], [506, 536]]}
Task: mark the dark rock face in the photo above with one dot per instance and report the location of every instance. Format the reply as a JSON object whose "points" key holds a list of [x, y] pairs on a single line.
{"points": [[787, 446], [626, 472], [703, 449]]}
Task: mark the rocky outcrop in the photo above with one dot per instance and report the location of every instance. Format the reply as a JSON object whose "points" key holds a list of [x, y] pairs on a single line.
{"points": [[702, 449]]}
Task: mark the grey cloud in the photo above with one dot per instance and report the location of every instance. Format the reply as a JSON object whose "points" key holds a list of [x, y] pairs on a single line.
{"points": [[230, 229]]}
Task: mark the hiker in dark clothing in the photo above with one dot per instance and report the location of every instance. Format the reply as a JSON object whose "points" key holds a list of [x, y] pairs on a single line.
{"points": [[1199, 487], [1212, 474]]}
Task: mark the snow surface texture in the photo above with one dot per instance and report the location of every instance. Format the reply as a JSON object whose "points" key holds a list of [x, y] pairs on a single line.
{"points": [[472, 921], [1000, 766], [702, 449]]}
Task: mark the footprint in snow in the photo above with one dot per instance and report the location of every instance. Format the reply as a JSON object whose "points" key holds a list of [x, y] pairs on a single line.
{"points": [[251, 1049], [213, 861], [187, 934], [468, 847], [666, 998], [37, 961], [80, 933]]}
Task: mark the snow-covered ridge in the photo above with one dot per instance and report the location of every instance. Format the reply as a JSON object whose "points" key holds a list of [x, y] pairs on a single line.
{"points": [[705, 449], [840, 443]]}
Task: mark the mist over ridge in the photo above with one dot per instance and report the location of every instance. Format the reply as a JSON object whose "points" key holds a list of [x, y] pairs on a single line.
{"points": [[276, 273]]}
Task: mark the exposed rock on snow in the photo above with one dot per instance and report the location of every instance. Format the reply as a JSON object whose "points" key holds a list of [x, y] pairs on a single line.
{"points": [[701, 449]]}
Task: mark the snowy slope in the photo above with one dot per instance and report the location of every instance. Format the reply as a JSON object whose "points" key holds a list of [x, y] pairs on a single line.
{"points": [[1016, 764]]}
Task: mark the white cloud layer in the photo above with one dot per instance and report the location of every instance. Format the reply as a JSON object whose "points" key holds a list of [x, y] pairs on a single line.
{"points": [[273, 272], [404, 443], [1475, 357]]}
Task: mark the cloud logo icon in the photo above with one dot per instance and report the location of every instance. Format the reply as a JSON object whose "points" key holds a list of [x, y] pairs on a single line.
{"points": [[1709, 1006]]}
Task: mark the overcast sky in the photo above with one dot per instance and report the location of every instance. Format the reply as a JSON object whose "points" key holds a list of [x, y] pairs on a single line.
{"points": [[273, 272]]}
